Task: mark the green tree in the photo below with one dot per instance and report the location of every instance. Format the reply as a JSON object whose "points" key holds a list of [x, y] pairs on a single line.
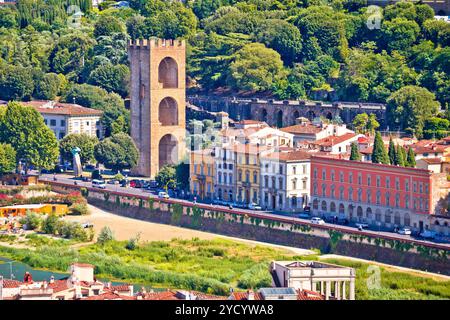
{"points": [[49, 225], [411, 158], [283, 37], [7, 158], [105, 235], [182, 175], [107, 25], [379, 154], [401, 156], [112, 78], [409, 107], [16, 83], [166, 177], [83, 141], [256, 68], [355, 155], [117, 152], [48, 87], [24, 128], [360, 122], [392, 153], [399, 34]]}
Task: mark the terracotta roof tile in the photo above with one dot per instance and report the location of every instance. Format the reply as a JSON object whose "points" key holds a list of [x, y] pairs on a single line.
{"points": [[61, 108], [333, 140], [302, 129], [9, 284]]}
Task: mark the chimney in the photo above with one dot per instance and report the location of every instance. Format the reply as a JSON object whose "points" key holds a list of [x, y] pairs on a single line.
{"points": [[250, 295]]}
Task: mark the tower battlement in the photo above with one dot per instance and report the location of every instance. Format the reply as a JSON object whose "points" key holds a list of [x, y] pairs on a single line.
{"points": [[157, 43]]}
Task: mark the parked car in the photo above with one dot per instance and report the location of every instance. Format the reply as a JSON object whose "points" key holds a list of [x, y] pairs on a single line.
{"points": [[304, 215], [124, 183], [163, 195], [113, 181], [405, 231], [427, 234], [99, 184], [254, 206], [85, 179], [331, 219], [343, 221], [317, 220]]}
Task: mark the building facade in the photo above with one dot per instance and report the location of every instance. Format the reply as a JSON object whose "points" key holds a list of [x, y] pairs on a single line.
{"points": [[68, 118], [202, 174], [285, 181], [380, 195], [158, 102]]}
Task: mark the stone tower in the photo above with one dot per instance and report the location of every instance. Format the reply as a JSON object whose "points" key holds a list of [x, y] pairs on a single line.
{"points": [[158, 102]]}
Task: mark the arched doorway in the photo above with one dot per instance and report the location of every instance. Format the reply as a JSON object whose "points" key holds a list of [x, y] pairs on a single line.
{"points": [[264, 115], [310, 115], [168, 112], [324, 206], [341, 209], [168, 150], [369, 213], [350, 212], [316, 204], [359, 213], [332, 207], [295, 116], [279, 119], [168, 73]]}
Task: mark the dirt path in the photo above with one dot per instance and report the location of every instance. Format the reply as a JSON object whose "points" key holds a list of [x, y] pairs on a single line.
{"points": [[435, 276], [124, 228]]}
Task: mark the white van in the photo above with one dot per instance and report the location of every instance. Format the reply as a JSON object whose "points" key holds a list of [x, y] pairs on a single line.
{"points": [[99, 184]]}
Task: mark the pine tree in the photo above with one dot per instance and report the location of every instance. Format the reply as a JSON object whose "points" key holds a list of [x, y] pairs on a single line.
{"points": [[392, 153], [355, 155], [400, 155], [411, 158], [379, 154]]}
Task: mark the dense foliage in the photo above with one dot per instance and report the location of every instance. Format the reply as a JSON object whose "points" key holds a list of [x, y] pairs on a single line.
{"points": [[324, 49]]}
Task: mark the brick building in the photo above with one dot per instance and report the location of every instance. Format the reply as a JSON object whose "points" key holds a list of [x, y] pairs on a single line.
{"points": [[380, 195]]}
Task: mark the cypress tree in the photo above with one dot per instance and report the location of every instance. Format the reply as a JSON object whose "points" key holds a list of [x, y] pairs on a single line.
{"points": [[355, 155], [379, 154], [392, 153], [401, 156], [411, 158]]}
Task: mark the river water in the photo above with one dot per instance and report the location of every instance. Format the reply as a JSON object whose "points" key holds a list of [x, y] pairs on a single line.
{"points": [[16, 270]]}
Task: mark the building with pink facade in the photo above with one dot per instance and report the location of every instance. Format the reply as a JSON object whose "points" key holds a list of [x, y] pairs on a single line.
{"points": [[380, 195]]}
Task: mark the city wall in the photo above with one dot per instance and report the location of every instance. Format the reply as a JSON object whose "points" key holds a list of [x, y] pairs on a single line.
{"points": [[279, 230]]}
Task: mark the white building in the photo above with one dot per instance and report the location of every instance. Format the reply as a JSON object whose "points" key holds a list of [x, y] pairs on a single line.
{"points": [[333, 281], [67, 118], [285, 181]]}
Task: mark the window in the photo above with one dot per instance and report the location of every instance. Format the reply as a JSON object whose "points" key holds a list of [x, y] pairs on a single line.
{"points": [[61, 135], [332, 191], [341, 193], [45, 121], [426, 188], [324, 190], [397, 200], [415, 186], [315, 189], [315, 173], [304, 169], [294, 184], [294, 170], [369, 196], [359, 195], [240, 175], [407, 185], [280, 171], [387, 217], [378, 181], [421, 187], [88, 123], [53, 122], [304, 184], [378, 200], [406, 202], [247, 176], [332, 175], [350, 177], [280, 183], [255, 177], [266, 181], [369, 180], [324, 174], [350, 194], [359, 178], [341, 176], [388, 182], [63, 123], [397, 183], [220, 177], [388, 199]]}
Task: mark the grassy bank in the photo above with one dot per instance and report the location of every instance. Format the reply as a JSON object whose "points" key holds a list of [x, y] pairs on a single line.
{"points": [[212, 266]]}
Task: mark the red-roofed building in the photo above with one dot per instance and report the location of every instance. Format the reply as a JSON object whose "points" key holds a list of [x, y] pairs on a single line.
{"points": [[67, 118]]}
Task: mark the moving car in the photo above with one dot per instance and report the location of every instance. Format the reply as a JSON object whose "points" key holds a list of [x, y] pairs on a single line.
{"points": [[99, 184], [427, 234], [406, 231], [361, 225], [163, 195], [317, 220]]}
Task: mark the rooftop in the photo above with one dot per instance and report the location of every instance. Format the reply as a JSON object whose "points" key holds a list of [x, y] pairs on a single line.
{"points": [[334, 140], [58, 108]]}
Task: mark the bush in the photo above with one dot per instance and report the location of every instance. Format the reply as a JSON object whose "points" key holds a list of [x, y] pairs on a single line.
{"points": [[79, 209], [32, 221], [133, 242], [105, 235], [49, 225]]}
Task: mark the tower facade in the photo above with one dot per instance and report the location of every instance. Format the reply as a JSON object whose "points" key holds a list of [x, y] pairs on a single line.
{"points": [[158, 102]]}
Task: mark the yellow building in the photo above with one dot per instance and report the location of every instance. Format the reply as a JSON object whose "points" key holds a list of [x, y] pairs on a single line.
{"points": [[46, 208], [248, 172], [202, 174]]}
